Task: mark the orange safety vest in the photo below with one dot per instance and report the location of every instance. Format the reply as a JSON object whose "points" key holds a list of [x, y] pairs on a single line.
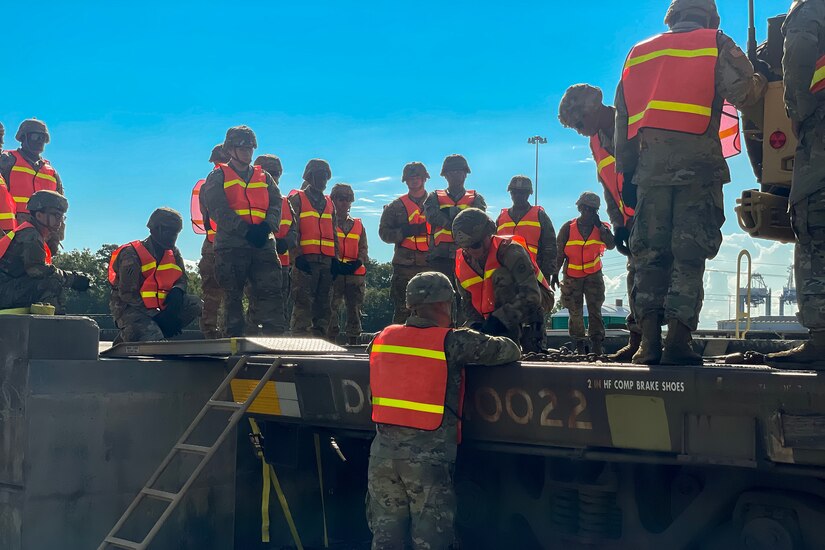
{"points": [[669, 82], [419, 243], [5, 241], [480, 285], [198, 223], [818, 81], [348, 244], [158, 279], [613, 182], [7, 208], [317, 233], [250, 200], [408, 376], [583, 257], [24, 181], [527, 227], [442, 234], [286, 224]]}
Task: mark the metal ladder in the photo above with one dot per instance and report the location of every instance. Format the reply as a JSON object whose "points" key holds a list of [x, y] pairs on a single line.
{"points": [[206, 453]]}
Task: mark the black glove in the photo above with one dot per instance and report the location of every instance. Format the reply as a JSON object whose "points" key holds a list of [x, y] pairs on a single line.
{"points": [[622, 236], [302, 264], [78, 281], [281, 246], [414, 229], [170, 324], [335, 268], [258, 234], [494, 327], [629, 191], [174, 301], [349, 268]]}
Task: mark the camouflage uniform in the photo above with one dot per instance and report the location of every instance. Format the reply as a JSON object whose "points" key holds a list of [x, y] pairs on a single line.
{"points": [[410, 478], [131, 316], [25, 278], [210, 289], [680, 173], [442, 257], [349, 290]]}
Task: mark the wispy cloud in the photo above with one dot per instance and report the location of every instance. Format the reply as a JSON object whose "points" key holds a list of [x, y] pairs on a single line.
{"points": [[366, 200], [381, 179]]}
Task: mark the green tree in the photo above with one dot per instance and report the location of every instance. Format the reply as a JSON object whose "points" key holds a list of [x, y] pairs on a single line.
{"points": [[378, 309], [96, 266]]}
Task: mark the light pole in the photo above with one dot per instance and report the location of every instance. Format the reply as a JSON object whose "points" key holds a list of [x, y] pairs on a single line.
{"points": [[537, 140]]}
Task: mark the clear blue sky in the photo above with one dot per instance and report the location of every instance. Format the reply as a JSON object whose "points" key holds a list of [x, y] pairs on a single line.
{"points": [[136, 94]]}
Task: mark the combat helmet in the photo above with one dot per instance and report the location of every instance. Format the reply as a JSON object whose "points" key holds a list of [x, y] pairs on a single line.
{"points": [[42, 200], [520, 183], [578, 99], [240, 136], [31, 125], [165, 216], [413, 169], [589, 198], [676, 8], [316, 165], [342, 190], [270, 163], [218, 154], [472, 226], [454, 162], [429, 287]]}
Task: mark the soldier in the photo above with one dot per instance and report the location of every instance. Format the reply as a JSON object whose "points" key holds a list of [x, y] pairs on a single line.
{"points": [[502, 287], [804, 68], [410, 496], [581, 258], [25, 171], [668, 111], [27, 275], [582, 109], [285, 238], [316, 257], [245, 204], [204, 225], [350, 283], [149, 300], [7, 210], [404, 224]]}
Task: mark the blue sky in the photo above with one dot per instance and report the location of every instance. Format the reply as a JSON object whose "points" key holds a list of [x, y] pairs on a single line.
{"points": [[136, 95]]}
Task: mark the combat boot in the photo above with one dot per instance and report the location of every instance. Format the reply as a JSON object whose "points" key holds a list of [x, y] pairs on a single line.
{"points": [[625, 355], [580, 347], [650, 348], [678, 350], [811, 354], [596, 347], [352, 340]]}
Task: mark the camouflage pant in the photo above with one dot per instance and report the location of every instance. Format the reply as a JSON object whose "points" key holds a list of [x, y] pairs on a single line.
{"points": [[808, 220], [574, 292], [447, 267], [347, 290], [24, 291], [136, 324], [676, 229], [312, 293], [212, 294], [260, 267], [401, 275], [410, 504], [632, 325]]}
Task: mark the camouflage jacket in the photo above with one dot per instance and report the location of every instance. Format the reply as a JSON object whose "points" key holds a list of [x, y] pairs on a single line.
{"points": [[663, 157], [438, 217], [231, 227], [26, 257], [318, 201], [564, 236], [515, 287], [546, 257], [461, 347], [390, 229]]}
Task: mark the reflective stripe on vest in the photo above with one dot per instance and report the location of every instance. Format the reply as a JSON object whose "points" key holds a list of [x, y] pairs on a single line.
{"points": [[158, 279], [480, 286], [442, 234], [583, 257], [818, 81], [348, 244], [250, 200], [419, 243], [669, 82], [613, 182], [286, 224], [527, 227], [24, 181], [408, 376], [7, 208], [316, 229], [6, 240]]}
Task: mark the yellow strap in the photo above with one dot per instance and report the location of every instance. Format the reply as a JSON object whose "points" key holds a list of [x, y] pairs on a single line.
{"points": [[606, 161], [409, 350], [672, 106], [819, 76], [671, 52], [409, 405]]}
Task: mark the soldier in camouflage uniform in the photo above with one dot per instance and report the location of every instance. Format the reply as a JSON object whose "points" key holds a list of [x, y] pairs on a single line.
{"points": [[576, 290], [804, 74], [408, 231], [518, 298], [679, 176], [349, 286], [410, 498], [211, 290], [245, 252], [582, 109], [27, 275], [137, 322]]}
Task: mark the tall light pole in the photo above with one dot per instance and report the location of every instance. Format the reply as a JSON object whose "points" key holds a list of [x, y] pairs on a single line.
{"points": [[537, 140]]}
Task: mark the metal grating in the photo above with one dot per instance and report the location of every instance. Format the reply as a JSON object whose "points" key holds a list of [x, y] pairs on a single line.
{"points": [[224, 347]]}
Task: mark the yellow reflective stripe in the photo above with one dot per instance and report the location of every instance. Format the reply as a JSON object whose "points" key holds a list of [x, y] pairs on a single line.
{"points": [[411, 405], [574, 243], [592, 242], [256, 185], [230, 183], [672, 106], [47, 177], [671, 52], [287, 223], [6, 215], [415, 213], [533, 249], [11, 234], [606, 161], [416, 239], [462, 206], [22, 200], [506, 224], [349, 236], [529, 223], [409, 350], [23, 169], [150, 294], [470, 282], [254, 213], [322, 242], [443, 232], [147, 267], [819, 76], [595, 262], [326, 216], [164, 267], [314, 214]]}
